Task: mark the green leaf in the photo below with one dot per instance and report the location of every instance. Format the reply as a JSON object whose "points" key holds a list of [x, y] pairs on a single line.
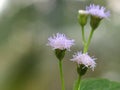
{"points": [[99, 84]]}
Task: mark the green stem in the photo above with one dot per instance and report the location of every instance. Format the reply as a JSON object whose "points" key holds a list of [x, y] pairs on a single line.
{"points": [[83, 35], [88, 42], [79, 79], [83, 38], [78, 83], [61, 75]]}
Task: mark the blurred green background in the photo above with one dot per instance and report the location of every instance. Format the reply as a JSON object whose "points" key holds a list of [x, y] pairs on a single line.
{"points": [[26, 63]]}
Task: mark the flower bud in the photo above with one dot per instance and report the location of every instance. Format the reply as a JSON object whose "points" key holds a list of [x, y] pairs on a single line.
{"points": [[60, 53], [82, 17]]}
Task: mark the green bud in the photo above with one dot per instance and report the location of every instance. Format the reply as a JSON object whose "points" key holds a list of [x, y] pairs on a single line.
{"points": [[82, 69], [82, 17], [60, 53], [94, 22]]}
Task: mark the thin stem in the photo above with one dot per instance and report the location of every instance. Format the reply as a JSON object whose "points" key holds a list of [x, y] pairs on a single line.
{"points": [[83, 38], [61, 75], [90, 37], [78, 83], [79, 79], [83, 35], [88, 42]]}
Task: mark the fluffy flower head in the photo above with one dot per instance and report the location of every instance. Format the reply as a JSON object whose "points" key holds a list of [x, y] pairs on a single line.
{"points": [[96, 10], [84, 59], [60, 41]]}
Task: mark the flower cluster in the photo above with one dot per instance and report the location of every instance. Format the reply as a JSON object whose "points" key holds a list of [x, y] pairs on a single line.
{"points": [[96, 12], [84, 59], [60, 41]]}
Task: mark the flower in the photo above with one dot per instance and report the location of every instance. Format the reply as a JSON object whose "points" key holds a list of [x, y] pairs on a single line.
{"points": [[96, 10], [84, 59], [60, 41]]}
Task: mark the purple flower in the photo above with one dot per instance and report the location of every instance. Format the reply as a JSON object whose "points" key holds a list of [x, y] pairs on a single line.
{"points": [[96, 10], [60, 41], [84, 59]]}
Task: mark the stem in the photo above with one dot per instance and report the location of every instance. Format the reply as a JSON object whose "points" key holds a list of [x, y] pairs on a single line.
{"points": [[83, 36], [61, 75], [88, 43], [84, 40], [79, 79], [78, 83]]}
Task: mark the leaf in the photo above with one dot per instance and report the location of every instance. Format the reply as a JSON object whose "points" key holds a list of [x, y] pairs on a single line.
{"points": [[99, 84]]}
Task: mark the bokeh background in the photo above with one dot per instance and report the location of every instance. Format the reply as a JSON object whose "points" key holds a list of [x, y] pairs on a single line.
{"points": [[26, 63]]}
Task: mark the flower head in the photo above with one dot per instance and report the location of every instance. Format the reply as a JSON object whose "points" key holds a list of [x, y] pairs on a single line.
{"points": [[96, 10], [60, 41], [84, 59]]}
